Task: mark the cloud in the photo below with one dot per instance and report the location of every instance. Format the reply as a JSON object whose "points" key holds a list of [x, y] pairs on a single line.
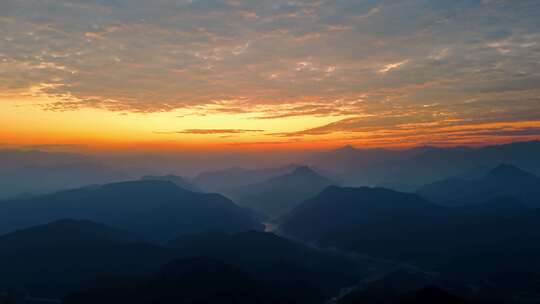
{"points": [[211, 131], [391, 66], [277, 59], [55, 147], [398, 130]]}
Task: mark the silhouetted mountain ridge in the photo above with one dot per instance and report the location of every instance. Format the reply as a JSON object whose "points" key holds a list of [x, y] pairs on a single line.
{"points": [[341, 207], [177, 180], [278, 195], [274, 259], [503, 180], [154, 209], [407, 228], [510, 173], [53, 259], [62, 231], [422, 165], [223, 181], [402, 287], [198, 281]]}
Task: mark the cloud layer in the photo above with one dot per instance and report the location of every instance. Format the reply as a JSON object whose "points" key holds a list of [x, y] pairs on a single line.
{"points": [[383, 64]]}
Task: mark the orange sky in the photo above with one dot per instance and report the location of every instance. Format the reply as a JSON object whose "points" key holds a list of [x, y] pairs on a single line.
{"points": [[244, 74], [25, 124]]}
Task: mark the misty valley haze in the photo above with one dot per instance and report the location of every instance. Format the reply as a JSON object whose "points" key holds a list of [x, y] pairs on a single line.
{"points": [[344, 229]]}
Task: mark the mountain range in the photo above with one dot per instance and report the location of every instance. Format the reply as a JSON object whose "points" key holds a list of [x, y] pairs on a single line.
{"points": [[278, 195], [504, 180], [275, 259], [156, 210], [51, 259], [87, 261], [37, 172], [196, 281], [224, 180], [175, 179], [408, 228], [466, 230], [409, 169]]}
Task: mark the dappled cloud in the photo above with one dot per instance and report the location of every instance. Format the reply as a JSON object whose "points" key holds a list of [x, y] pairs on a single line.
{"points": [[365, 71]]}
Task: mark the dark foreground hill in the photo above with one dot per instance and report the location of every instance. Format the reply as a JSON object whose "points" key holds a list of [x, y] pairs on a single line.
{"points": [[50, 260], [344, 210], [68, 256], [154, 209], [197, 281], [426, 295], [276, 260], [407, 228], [409, 285]]}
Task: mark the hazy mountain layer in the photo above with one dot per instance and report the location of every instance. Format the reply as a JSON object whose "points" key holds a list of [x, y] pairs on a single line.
{"points": [[154, 209], [504, 180], [278, 195]]}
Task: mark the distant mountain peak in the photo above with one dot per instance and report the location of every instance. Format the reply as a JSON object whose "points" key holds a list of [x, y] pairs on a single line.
{"points": [[142, 186], [175, 179], [65, 224], [347, 148], [508, 171], [66, 230], [174, 210], [332, 188], [304, 170]]}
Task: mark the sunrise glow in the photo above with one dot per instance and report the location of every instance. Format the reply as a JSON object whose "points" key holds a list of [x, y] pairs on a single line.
{"points": [[254, 75]]}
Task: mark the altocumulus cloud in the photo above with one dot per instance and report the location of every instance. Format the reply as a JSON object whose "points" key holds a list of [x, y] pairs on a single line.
{"points": [[210, 131], [416, 60]]}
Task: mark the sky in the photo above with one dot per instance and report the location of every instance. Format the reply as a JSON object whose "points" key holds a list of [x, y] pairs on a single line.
{"points": [[246, 74]]}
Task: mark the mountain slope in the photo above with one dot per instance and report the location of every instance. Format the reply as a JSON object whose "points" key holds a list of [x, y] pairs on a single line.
{"points": [[338, 208], [154, 209], [196, 281], [504, 180], [280, 194], [61, 231], [274, 259], [177, 180], [426, 295], [53, 259], [404, 286], [224, 180], [405, 227], [440, 163], [423, 165]]}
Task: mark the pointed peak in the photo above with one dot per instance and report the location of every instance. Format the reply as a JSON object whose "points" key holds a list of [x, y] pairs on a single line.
{"points": [[331, 189], [347, 148], [508, 171], [303, 170], [292, 166], [173, 176], [161, 177], [506, 168]]}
